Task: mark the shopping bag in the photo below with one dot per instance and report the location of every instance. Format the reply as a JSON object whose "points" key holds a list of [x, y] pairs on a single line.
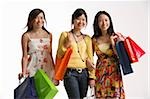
{"points": [[26, 90], [61, 64], [123, 58], [44, 86], [133, 50], [90, 93]]}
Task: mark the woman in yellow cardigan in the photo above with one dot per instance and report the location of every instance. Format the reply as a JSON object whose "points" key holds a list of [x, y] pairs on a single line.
{"points": [[78, 74]]}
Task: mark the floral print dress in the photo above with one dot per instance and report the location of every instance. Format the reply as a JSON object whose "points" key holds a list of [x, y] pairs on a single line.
{"points": [[108, 76], [40, 57]]}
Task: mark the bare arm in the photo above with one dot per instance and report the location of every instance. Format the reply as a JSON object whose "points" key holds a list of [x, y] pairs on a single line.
{"points": [[117, 37], [113, 41], [24, 43], [51, 49]]}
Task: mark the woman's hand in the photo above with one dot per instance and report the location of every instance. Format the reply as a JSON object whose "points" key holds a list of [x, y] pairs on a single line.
{"points": [[90, 64], [113, 39], [21, 75], [120, 36], [117, 37], [56, 82]]}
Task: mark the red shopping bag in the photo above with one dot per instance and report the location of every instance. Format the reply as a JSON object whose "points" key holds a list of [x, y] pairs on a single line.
{"points": [[61, 64], [133, 50]]}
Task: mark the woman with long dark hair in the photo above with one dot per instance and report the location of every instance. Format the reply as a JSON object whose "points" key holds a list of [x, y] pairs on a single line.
{"points": [[109, 84], [37, 46]]}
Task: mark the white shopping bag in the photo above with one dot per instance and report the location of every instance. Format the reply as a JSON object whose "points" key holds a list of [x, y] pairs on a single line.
{"points": [[90, 93]]}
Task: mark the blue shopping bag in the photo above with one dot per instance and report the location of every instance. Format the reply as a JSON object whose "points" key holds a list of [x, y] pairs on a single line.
{"points": [[123, 58], [26, 90]]}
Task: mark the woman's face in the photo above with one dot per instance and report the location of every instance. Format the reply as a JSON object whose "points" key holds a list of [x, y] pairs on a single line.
{"points": [[39, 21], [103, 22], [80, 22]]}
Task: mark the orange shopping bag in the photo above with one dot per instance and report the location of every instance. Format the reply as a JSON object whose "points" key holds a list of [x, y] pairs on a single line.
{"points": [[61, 64]]}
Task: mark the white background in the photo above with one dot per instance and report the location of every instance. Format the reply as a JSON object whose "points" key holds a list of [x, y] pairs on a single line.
{"points": [[131, 18]]}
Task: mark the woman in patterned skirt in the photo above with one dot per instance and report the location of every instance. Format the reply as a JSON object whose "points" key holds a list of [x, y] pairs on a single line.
{"points": [[109, 84]]}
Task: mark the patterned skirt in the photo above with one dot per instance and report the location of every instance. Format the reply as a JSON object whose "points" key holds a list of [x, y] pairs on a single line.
{"points": [[109, 82]]}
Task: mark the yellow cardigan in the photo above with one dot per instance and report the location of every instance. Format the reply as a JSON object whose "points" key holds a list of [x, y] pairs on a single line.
{"points": [[85, 49]]}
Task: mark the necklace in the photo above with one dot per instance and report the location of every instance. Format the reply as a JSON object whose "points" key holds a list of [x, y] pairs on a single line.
{"points": [[77, 44], [78, 48], [77, 35]]}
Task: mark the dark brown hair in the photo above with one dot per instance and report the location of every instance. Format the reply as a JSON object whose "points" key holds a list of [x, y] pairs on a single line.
{"points": [[32, 15], [78, 12], [97, 30]]}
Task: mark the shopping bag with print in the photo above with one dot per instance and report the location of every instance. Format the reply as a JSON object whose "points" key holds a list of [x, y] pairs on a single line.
{"points": [[44, 86]]}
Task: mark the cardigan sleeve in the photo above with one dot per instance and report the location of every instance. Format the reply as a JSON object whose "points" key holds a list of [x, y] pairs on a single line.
{"points": [[90, 55], [61, 49]]}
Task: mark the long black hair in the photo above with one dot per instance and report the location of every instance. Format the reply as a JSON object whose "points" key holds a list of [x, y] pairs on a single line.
{"points": [[32, 15], [97, 30]]}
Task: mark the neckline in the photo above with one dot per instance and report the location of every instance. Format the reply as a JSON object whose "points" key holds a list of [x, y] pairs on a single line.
{"points": [[73, 33], [77, 35], [35, 39], [39, 38]]}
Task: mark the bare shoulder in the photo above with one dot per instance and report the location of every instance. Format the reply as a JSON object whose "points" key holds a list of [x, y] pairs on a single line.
{"points": [[25, 36], [50, 34]]}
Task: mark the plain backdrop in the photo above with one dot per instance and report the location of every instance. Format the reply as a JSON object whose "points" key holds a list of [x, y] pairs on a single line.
{"points": [[131, 18]]}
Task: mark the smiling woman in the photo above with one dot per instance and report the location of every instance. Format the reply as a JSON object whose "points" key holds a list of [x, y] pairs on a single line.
{"points": [[76, 76], [37, 46], [109, 82]]}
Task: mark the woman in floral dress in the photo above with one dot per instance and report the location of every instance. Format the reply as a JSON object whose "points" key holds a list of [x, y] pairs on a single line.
{"points": [[109, 84], [37, 46]]}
